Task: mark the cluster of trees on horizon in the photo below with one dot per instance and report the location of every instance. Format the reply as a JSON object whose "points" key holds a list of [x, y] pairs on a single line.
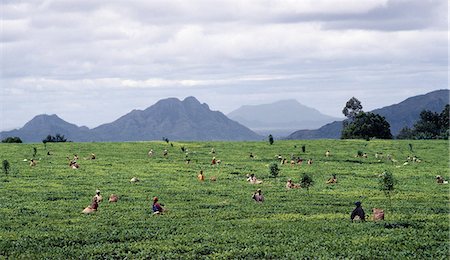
{"points": [[366, 125], [431, 125]]}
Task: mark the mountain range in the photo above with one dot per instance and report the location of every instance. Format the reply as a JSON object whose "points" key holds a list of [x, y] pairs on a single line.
{"points": [[280, 118], [191, 120], [405, 113], [170, 118]]}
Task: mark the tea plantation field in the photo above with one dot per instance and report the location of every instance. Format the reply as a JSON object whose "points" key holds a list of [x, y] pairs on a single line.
{"points": [[40, 206]]}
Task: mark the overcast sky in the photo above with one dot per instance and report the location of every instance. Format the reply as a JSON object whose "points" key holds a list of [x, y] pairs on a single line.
{"points": [[91, 62]]}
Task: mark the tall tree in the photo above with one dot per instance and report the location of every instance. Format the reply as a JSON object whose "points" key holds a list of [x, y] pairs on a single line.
{"points": [[352, 108], [428, 126], [366, 126]]}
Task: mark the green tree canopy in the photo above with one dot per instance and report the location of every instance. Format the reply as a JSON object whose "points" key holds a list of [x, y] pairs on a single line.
{"points": [[367, 125], [431, 125], [10, 139], [352, 108]]}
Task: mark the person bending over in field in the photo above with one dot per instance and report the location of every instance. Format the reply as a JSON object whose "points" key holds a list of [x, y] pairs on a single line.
{"points": [[257, 196], [358, 213], [200, 176], [113, 198], [291, 185], [157, 208], [98, 196], [74, 165], [252, 179], [213, 161], [440, 180], [93, 207], [33, 162], [332, 179]]}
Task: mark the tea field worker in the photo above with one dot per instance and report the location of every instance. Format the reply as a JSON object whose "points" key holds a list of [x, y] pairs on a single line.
{"points": [[200, 176], [98, 196], [74, 165], [33, 162], [310, 161], [292, 163], [157, 208], [257, 196], [134, 180], [213, 161], [251, 156], [165, 153], [113, 198], [332, 179], [415, 159], [327, 153], [358, 213], [252, 179], [93, 156], [378, 214], [440, 180], [91, 208], [150, 153], [213, 151], [291, 185]]}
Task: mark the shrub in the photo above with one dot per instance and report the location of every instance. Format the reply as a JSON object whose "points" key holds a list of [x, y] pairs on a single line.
{"points": [[387, 183], [306, 181], [274, 170], [5, 166], [14, 139], [54, 139]]}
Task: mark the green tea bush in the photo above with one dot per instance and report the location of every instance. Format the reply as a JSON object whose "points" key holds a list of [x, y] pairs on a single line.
{"points": [[274, 170]]}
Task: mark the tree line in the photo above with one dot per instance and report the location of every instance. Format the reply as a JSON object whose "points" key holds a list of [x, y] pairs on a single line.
{"points": [[366, 125], [431, 125]]}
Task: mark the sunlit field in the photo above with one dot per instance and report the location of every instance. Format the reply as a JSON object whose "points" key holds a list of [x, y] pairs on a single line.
{"points": [[41, 206]]}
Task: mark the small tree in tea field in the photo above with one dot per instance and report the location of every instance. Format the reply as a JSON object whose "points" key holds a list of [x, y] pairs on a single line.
{"points": [[5, 166], [270, 139], [306, 181], [387, 183], [274, 170]]}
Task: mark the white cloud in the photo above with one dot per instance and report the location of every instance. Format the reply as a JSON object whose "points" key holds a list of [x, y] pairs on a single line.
{"points": [[226, 53]]}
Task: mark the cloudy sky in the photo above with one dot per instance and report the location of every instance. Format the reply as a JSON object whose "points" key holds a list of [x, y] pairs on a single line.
{"points": [[91, 62]]}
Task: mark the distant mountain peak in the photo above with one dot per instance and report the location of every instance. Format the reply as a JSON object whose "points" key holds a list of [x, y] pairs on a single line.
{"points": [[280, 117], [177, 120], [191, 99]]}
